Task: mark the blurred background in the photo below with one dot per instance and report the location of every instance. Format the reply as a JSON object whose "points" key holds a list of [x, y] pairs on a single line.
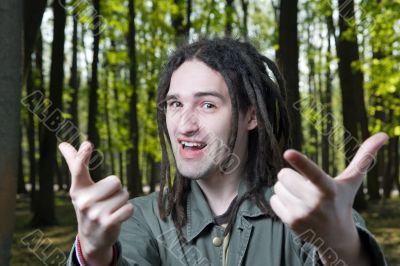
{"points": [[88, 69]]}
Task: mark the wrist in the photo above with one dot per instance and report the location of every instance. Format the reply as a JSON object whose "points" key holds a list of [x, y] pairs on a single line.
{"points": [[102, 258], [88, 256], [346, 248]]}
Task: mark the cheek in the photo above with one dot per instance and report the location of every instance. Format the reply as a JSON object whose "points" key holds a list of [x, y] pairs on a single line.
{"points": [[242, 134], [221, 126], [170, 126]]}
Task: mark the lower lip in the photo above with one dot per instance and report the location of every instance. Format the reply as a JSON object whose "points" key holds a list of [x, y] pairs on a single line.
{"points": [[190, 153]]}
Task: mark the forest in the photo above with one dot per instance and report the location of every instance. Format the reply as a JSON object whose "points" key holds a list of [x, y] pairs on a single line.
{"points": [[75, 70]]}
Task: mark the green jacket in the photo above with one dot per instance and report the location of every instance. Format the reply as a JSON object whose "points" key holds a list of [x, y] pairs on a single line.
{"points": [[255, 239]]}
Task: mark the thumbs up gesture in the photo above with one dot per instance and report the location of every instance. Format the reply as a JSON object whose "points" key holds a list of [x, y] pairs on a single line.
{"points": [[308, 198], [100, 207]]}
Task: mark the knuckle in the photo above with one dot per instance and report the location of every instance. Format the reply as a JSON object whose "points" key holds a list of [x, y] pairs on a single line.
{"points": [[81, 204], [84, 231], [106, 223], [73, 194], [114, 182], [283, 172], [130, 208], [290, 220], [80, 207], [315, 207], [280, 173], [93, 216], [277, 187]]}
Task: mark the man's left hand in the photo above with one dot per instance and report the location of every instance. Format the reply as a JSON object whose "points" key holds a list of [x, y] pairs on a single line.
{"points": [[308, 198]]}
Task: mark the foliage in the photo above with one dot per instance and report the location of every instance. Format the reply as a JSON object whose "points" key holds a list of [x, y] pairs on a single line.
{"points": [[376, 28]]}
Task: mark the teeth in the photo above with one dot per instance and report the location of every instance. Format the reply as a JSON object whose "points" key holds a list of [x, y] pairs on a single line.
{"points": [[190, 144]]}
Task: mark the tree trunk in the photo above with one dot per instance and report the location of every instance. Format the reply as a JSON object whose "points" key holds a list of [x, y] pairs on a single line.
{"points": [[381, 165], [155, 173], [388, 177], [229, 10], [74, 81], [108, 122], [288, 60], [10, 90], [245, 5], [312, 87], [121, 167], [44, 214], [181, 30], [133, 172], [351, 84], [118, 125], [396, 161], [59, 175], [378, 169], [373, 175], [188, 20], [31, 136], [40, 72], [327, 103], [93, 132], [33, 14], [33, 132], [21, 179], [394, 155], [392, 163], [73, 136]]}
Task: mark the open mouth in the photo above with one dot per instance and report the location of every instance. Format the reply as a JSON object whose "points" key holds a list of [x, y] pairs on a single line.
{"points": [[192, 146], [191, 149]]}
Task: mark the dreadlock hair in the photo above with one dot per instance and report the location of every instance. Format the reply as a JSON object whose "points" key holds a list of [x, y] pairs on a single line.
{"points": [[246, 73]]}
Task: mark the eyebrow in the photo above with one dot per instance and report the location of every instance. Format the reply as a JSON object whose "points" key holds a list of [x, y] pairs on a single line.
{"points": [[198, 95]]}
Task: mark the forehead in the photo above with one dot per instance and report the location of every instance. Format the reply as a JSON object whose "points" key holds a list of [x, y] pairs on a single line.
{"points": [[195, 76]]}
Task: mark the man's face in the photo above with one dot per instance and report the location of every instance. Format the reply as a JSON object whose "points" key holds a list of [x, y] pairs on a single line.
{"points": [[199, 113]]}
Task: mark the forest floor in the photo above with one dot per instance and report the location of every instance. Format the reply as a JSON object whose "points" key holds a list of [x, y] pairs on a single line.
{"points": [[51, 245], [383, 220]]}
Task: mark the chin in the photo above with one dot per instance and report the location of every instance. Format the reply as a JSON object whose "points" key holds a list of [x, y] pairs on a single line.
{"points": [[195, 175], [191, 175]]}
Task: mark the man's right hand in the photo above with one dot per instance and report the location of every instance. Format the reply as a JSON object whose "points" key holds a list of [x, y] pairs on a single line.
{"points": [[100, 207]]}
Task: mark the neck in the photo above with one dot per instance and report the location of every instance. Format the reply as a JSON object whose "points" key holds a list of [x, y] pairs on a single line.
{"points": [[220, 190]]}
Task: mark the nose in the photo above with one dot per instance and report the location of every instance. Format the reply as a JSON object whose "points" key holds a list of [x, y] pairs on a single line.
{"points": [[188, 123]]}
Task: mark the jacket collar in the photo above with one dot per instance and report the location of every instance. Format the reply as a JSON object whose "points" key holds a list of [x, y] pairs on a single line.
{"points": [[248, 208], [199, 214]]}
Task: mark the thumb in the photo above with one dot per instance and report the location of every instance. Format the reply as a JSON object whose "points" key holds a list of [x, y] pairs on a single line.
{"points": [[77, 162], [364, 158]]}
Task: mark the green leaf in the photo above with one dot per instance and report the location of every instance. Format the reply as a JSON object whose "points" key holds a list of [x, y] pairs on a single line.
{"points": [[397, 131]]}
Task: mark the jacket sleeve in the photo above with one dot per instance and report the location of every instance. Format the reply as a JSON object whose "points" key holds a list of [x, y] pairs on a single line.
{"points": [[72, 258], [368, 241], [309, 256], [136, 241]]}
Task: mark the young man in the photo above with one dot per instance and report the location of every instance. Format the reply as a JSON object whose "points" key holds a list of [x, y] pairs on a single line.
{"points": [[231, 201]]}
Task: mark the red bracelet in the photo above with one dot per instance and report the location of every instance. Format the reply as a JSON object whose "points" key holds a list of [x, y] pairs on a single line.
{"points": [[80, 256], [82, 260]]}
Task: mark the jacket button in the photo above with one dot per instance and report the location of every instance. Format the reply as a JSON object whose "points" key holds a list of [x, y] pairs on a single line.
{"points": [[217, 241]]}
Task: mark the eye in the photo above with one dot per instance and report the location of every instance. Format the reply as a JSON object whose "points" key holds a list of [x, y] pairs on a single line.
{"points": [[208, 105], [174, 105]]}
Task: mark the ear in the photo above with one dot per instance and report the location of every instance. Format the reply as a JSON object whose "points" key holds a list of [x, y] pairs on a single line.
{"points": [[251, 118]]}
